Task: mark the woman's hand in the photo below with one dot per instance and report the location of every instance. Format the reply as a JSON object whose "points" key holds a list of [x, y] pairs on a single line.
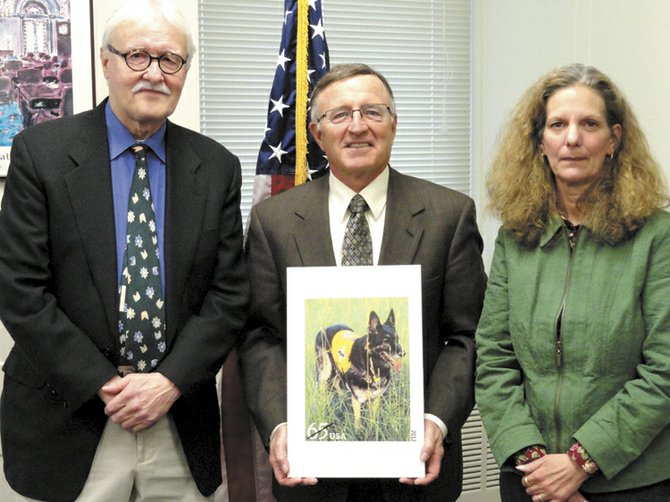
{"points": [[552, 477]]}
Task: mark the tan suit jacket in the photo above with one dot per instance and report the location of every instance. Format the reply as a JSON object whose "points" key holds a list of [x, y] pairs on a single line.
{"points": [[425, 224]]}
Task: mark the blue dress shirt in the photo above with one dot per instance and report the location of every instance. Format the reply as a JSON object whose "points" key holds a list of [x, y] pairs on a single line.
{"points": [[123, 166]]}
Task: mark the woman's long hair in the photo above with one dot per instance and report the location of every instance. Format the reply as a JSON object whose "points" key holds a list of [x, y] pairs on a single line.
{"points": [[522, 188]]}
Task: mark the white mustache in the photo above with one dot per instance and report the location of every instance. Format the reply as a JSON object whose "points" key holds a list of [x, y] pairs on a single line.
{"points": [[143, 85]]}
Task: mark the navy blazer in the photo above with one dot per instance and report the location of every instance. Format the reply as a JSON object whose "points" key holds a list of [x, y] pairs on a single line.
{"points": [[58, 297], [425, 224]]}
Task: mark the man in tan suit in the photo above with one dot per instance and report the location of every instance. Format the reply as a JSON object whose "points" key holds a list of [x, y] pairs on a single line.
{"points": [[411, 221]]}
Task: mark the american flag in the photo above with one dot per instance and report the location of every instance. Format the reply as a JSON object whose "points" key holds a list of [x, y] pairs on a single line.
{"points": [[288, 153]]}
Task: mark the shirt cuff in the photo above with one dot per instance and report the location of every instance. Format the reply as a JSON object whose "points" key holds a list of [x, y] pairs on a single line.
{"points": [[581, 457], [529, 454], [272, 434], [436, 420]]}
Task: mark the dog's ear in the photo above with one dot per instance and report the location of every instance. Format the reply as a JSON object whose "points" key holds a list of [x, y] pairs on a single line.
{"points": [[391, 318], [374, 320]]}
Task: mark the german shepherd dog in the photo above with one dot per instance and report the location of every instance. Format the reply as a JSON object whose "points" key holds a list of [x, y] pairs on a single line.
{"points": [[360, 363]]}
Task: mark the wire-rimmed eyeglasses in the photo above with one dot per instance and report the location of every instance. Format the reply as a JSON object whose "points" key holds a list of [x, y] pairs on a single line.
{"points": [[377, 112], [140, 60]]}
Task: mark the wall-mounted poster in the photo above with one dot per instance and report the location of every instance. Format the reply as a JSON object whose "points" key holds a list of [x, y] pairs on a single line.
{"points": [[355, 377], [46, 69]]}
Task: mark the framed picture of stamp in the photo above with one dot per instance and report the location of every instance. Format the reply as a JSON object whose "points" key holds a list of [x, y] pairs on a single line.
{"points": [[46, 69], [355, 371]]}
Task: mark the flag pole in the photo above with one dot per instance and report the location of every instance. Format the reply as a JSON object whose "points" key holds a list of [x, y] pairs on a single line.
{"points": [[285, 158], [302, 88]]}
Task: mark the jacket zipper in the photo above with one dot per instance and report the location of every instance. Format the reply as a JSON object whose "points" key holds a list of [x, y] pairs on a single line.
{"points": [[559, 349]]}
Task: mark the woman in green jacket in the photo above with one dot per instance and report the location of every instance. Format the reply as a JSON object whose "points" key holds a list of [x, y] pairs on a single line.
{"points": [[573, 346]]}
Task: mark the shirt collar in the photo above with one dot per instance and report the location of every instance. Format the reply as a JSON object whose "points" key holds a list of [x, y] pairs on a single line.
{"points": [[120, 139], [374, 194], [553, 230]]}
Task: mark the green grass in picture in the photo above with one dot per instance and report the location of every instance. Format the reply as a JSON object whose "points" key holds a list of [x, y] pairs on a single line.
{"points": [[329, 415]]}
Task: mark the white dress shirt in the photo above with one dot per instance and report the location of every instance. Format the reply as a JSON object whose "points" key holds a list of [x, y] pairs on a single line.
{"points": [[339, 196]]}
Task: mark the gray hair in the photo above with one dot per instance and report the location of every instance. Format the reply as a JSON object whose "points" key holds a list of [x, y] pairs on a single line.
{"points": [[144, 13]]}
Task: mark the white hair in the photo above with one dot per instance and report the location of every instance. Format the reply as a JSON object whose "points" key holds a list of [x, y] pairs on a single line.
{"points": [[145, 13]]}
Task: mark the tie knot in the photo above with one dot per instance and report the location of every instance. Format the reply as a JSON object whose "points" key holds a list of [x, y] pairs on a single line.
{"points": [[139, 150], [358, 205]]}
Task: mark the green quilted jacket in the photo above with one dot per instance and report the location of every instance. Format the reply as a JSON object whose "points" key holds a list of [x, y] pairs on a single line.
{"points": [[605, 381]]}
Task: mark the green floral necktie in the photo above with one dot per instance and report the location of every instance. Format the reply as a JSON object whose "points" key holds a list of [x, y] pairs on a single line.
{"points": [[141, 302]]}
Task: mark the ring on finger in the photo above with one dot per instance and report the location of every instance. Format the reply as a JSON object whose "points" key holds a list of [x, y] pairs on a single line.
{"points": [[524, 481], [540, 497]]}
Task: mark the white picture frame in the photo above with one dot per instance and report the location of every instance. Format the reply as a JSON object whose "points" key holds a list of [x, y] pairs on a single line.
{"points": [[323, 439]]}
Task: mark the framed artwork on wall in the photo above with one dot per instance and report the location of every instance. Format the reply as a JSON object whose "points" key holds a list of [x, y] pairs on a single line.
{"points": [[46, 64]]}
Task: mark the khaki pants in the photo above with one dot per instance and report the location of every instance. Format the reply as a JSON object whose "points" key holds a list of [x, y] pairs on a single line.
{"points": [[149, 466]]}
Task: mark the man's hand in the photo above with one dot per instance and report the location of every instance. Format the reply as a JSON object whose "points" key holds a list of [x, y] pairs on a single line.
{"points": [[138, 400], [552, 477], [431, 453], [279, 460], [105, 392]]}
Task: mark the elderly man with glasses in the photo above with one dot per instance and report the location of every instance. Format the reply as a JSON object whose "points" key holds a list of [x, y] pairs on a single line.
{"points": [[406, 221], [122, 283]]}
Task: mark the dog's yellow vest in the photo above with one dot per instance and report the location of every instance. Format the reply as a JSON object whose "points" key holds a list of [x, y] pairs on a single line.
{"points": [[341, 348]]}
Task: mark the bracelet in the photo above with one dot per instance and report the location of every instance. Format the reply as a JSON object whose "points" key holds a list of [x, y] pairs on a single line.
{"points": [[529, 454], [580, 456]]}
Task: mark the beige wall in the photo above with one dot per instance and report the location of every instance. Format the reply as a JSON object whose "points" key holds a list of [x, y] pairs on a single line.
{"points": [[516, 41]]}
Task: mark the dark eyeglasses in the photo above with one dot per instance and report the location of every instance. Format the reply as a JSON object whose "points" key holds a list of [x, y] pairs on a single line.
{"points": [[140, 60]]}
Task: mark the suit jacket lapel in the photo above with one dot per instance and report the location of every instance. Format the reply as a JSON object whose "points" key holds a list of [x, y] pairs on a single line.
{"points": [[89, 187], [403, 227], [312, 213], [185, 200]]}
